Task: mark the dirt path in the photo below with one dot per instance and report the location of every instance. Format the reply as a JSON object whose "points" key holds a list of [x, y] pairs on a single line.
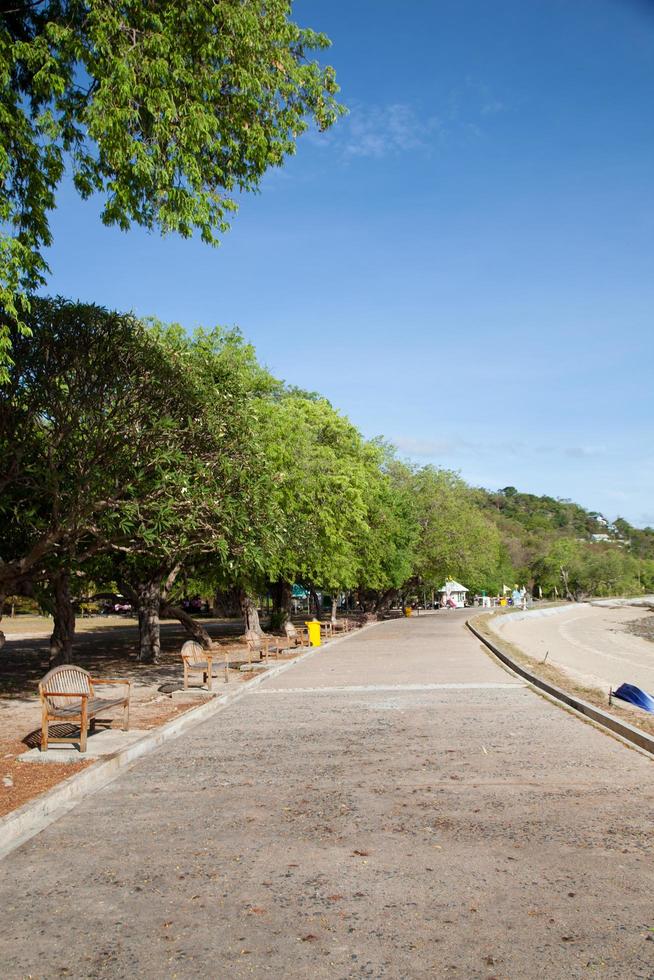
{"points": [[590, 643], [396, 806]]}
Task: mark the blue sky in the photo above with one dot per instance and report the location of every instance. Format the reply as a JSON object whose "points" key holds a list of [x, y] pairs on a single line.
{"points": [[464, 265]]}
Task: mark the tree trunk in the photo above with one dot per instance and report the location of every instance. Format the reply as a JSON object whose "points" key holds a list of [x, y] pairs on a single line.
{"points": [[61, 641], [375, 603], [149, 600], [334, 606], [315, 602], [568, 594], [386, 600], [368, 603], [194, 629], [281, 595], [250, 615], [226, 603]]}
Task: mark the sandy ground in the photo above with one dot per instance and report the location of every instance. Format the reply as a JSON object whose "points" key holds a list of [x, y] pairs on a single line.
{"points": [[397, 806], [592, 644]]}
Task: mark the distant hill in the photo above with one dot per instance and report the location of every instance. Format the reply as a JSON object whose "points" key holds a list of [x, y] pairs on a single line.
{"points": [[551, 542]]}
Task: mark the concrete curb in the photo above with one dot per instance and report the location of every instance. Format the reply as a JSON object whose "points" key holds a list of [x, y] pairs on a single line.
{"points": [[626, 731], [19, 825]]}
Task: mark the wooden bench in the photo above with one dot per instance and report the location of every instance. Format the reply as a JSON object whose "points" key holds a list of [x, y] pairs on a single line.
{"points": [[67, 694], [198, 659], [297, 636], [266, 645]]}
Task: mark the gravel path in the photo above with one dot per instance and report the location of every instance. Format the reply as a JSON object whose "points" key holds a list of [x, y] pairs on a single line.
{"points": [[396, 806]]}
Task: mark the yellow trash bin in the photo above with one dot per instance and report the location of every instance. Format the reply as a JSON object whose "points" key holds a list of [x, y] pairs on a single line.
{"points": [[314, 632], [502, 601], [408, 610]]}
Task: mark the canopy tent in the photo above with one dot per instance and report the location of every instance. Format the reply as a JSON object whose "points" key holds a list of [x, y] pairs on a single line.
{"points": [[453, 593]]}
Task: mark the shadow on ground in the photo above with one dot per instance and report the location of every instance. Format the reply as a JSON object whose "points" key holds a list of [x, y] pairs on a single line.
{"points": [[110, 652]]}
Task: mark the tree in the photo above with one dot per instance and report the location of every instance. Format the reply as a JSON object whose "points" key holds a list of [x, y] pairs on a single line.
{"points": [[119, 439], [168, 109], [318, 469], [87, 427], [456, 539], [212, 516], [386, 552], [562, 569]]}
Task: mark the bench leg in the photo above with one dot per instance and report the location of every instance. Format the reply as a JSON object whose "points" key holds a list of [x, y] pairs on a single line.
{"points": [[92, 725], [209, 673], [126, 717], [84, 724], [185, 676], [44, 729]]}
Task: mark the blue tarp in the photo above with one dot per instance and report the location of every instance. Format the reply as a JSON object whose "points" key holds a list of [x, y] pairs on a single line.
{"points": [[634, 695]]}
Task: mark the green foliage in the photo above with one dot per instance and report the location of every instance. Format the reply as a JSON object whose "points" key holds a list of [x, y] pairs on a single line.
{"points": [[75, 442], [115, 437], [536, 514], [552, 541], [134, 452], [456, 540], [318, 471], [168, 110], [217, 518], [386, 553], [577, 569]]}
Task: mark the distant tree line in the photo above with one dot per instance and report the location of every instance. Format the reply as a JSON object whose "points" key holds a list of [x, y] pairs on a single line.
{"points": [[139, 457], [561, 549]]}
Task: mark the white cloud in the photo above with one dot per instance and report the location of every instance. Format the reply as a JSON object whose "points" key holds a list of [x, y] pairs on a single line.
{"points": [[428, 447], [583, 452], [378, 131], [456, 445], [492, 107]]}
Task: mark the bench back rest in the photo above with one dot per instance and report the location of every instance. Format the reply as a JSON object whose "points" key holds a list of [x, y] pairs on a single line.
{"points": [[194, 652], [68, 678]]}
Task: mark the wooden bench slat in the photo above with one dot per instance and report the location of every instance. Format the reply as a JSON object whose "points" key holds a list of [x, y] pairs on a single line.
{"points": [[199, 664], [94, 707]]}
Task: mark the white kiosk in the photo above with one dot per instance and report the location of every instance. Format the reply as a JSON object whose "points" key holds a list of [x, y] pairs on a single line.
{"points": [[453, 595]]}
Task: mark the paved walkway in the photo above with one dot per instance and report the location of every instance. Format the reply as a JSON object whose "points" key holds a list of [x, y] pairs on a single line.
{"points": [[396, 806]]}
